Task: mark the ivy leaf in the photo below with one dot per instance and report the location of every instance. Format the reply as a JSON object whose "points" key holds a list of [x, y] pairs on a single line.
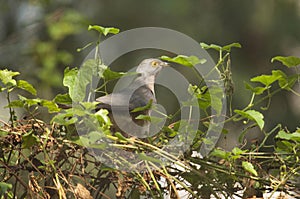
{"points": [[16, 104], [6, 76], [216, 94], [65, 119], [184, 60], [211, 46], [288, 136], [23, 101], [143, 108], [50, 105], [284, 81], [30, 102], [111, 75], [103, 30], [152, 119], [203, 97], [220, 48], [94, 136], [82, 141], [77, 80], [63, 99], [257, 90], [102, 115], [237, 151], [29, 139], [22, 84], [233, 45], [266, 79], [4, 187], [70, 76], [84, 77], [120, 136], [220, 153], [88, 105], [249, 167], [208, 97], [289, 61], [254, 116]]}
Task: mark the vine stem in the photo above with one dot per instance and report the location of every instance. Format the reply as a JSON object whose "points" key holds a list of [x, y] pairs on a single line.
{"points": [[11, 111], [251, 104]]}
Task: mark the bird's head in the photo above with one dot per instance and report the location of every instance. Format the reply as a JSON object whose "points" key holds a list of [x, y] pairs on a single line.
{"points": [[150, 67]]}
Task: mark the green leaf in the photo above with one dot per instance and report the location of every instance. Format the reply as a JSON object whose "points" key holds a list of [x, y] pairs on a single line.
{"points": [[110, 75], [170, 132], [249, 167], [184, 60], [30, 102], [233, 45], [220, 153], [6, 76], [70, 76], [238, 151], [285, 146], [4, 187], [208, 97], [143, 117], [284, 81], [26, 86], [211, 46], [203, 97], [143, 156], [94, 66], [143, 108], [103, 30], [152, 119], [82, 141], [77, 80], [16, 103], [3, 133], [216, 95], [87, 71], [257, 90], [63, 99], [23, 101], [89, 105], [65, 119], [84, 77], [29, 139], [289, 61], [120, 136], [94, 136], [220, 48], [266, 79], [288, 136], [254, 116], [50, 105], [102, 116]]}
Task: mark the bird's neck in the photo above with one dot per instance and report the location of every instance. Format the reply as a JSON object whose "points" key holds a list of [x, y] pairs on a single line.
{"points": [[148, 81]]}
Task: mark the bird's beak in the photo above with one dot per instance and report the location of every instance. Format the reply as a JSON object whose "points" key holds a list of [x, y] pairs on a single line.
{"points": [[164, 64]]}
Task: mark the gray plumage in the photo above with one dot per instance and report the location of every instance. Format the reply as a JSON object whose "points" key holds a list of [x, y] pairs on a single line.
{"points": [[138, 94]]}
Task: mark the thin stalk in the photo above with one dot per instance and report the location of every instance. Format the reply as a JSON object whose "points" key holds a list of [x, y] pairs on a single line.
{"points": [[153, 177], [253, 104], [11, 111]]}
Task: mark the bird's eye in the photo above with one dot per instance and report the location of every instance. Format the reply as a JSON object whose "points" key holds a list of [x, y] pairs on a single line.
{"points": [[154, 63]]}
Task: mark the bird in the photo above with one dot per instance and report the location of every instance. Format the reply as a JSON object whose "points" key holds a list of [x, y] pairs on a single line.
{"points": [[126, 105]]}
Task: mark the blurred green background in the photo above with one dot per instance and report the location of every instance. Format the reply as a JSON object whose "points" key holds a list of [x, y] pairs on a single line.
{"points": [[39, 38]]}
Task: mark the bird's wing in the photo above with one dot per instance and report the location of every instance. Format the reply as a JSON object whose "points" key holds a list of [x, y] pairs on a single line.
{"points": [[139, 98]]}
